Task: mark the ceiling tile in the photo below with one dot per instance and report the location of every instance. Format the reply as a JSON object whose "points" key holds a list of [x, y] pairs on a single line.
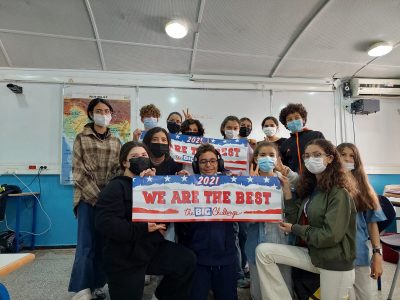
{"points": [[43, 52], [146, 59], [252, 26], [46, 16], [344, 30], [225, 64], [143, 21], [297, 68]]}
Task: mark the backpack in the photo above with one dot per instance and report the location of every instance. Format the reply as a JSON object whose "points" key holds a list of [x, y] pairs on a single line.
{"points": [[5, 190], [7, 242], [388, 210]]}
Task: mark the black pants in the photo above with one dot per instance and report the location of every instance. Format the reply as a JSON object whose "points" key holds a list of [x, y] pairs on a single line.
{"points": [[174, 261]]}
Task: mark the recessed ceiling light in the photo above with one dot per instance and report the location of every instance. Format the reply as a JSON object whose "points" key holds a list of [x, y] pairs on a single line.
{"points": [[380, 49], [176, 29]]}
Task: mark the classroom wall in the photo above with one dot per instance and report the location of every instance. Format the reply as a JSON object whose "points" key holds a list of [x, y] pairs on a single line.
{"points": [[326, 114]]}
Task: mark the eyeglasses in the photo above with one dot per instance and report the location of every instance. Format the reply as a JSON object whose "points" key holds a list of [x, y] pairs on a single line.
{"points": [[314, 155], [205, 162], [102, 112]]}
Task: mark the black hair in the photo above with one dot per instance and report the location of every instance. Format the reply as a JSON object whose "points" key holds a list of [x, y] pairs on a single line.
{"points": [[149, 135], [226, 120], [94, 102], [292, 108], [126, 148], [275, 120], [185, 126], [246, 119], [174, 113]]}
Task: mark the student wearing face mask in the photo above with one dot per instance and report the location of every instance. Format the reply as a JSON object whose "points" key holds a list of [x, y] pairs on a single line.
{"points": [[265, 155], [246, 126], [369, 213], [174, 122], [149, 115], [294, 118], [322, 217], [94, 163], [270, 127], [133, 249], [230, 127], [158, 141], [212, 242]]}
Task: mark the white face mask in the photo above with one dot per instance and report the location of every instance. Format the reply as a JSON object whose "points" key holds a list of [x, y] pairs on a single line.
{"points": [[269, 131], [315, 165], [102, 120], [231, 134], [349, 166]]}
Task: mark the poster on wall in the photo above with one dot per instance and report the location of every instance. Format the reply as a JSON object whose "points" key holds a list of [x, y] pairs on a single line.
{"points": [[75, 118]]}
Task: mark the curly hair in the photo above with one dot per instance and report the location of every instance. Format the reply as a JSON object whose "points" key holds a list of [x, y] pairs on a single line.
{"points": [[334, 175], [185, 126], [292, 108], [226, 120], [366, 198], [150, 110]]}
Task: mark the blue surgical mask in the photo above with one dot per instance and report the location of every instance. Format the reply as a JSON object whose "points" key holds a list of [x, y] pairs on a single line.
{"points": [[266, 163], [150, 123], [295, 125]]}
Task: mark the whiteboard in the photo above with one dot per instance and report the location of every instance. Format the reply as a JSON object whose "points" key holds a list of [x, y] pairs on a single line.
{"points": [[210, 107]]}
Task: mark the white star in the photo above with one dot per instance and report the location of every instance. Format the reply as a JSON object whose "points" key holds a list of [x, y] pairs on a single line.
{"points": [[233, 179], [266, 179], [167, 178], [249, 179], [177, 136], [274, 186], [213, 141], [184, 178], [237, 140], [149, 179]]}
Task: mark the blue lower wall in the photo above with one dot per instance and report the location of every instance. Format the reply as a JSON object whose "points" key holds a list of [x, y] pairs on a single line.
{"points": [[57, 202]]}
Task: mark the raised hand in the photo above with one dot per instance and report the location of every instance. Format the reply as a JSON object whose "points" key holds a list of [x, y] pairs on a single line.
{"points": [[148, 172], [186, 114], [136, 134], [253, 172]]}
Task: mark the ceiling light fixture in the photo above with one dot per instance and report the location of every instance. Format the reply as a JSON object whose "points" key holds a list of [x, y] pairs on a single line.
{"points": [[176, 29], [380, 49]]}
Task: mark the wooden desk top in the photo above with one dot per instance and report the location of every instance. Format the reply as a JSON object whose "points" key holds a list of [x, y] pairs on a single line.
{"points": [[24, 194], [12, 262]]}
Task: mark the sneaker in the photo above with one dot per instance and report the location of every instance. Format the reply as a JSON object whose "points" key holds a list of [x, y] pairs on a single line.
{"points": [[83, 295], [243, 283], [99, 294]]}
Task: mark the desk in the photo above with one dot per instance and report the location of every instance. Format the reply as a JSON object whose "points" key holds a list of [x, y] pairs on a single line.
{"points": [[9, 263], [18, 197]]}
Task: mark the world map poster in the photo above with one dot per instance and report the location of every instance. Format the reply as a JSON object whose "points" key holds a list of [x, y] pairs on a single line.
{"points": [[75, 118]]}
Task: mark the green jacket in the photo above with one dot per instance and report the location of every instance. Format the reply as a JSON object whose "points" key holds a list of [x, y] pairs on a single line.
{"points": [[331, 231]]}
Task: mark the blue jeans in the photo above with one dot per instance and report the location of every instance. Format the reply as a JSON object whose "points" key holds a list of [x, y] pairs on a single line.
{"points": [[87, 271]]}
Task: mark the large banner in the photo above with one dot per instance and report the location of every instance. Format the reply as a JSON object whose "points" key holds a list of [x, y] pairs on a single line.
{"points": [[234, 152], [206, 198], [75, 118]]}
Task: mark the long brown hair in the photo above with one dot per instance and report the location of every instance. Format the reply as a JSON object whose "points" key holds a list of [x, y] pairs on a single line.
{"points": [[334, 174], [366, 198]]}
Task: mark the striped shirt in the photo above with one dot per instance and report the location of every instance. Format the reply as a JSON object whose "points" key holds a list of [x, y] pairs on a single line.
{"points": [[95, 162]]}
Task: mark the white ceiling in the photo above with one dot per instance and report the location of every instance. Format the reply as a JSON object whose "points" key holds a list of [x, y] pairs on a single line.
{"points": [[273, 38]]}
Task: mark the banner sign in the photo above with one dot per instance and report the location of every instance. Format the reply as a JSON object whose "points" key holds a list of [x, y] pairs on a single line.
{"points": [[206, 198], [234, 152]]}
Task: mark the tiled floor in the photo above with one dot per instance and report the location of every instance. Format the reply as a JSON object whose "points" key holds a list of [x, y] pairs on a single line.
{"points": [[48, 276]]}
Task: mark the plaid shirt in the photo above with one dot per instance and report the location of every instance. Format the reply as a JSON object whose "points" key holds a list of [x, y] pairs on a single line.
{"points": [[95, 162]]}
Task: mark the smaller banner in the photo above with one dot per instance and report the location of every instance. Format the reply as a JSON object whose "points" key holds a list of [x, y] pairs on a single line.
{"points": [[206, 198], [234, 152]]}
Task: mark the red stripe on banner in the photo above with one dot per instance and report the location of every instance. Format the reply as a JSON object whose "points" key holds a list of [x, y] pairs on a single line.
{"points": [[265, 212], [139, 210], [207, 220], [240, 162]]}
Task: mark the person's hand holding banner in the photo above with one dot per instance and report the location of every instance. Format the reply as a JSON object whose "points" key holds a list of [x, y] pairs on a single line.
{"points": [[151, 227]]}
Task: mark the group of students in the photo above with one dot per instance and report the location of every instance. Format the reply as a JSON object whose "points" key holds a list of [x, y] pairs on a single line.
{"points": [[330, 211]]}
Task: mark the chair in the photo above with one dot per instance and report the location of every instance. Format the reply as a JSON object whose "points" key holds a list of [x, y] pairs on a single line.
{"points": [[393, 241]]}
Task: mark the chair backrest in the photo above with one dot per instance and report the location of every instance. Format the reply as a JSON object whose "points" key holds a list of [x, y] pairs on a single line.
{"points": [[389, 212]]}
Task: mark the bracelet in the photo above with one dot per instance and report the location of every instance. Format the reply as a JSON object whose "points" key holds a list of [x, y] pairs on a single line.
{"points": [[291, 228], [377, 250]]}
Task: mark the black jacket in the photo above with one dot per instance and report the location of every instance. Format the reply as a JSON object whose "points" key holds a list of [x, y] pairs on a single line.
{"points": [[127, 244], [293, 148]]}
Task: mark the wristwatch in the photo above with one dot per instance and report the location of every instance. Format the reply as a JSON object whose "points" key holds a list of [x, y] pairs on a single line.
{"points": [[377, 250]]}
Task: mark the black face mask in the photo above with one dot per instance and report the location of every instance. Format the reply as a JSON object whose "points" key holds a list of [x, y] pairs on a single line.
{"points": [[244, 131], [158, 149], [191, 133], [139, 164], [173, 127]]}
